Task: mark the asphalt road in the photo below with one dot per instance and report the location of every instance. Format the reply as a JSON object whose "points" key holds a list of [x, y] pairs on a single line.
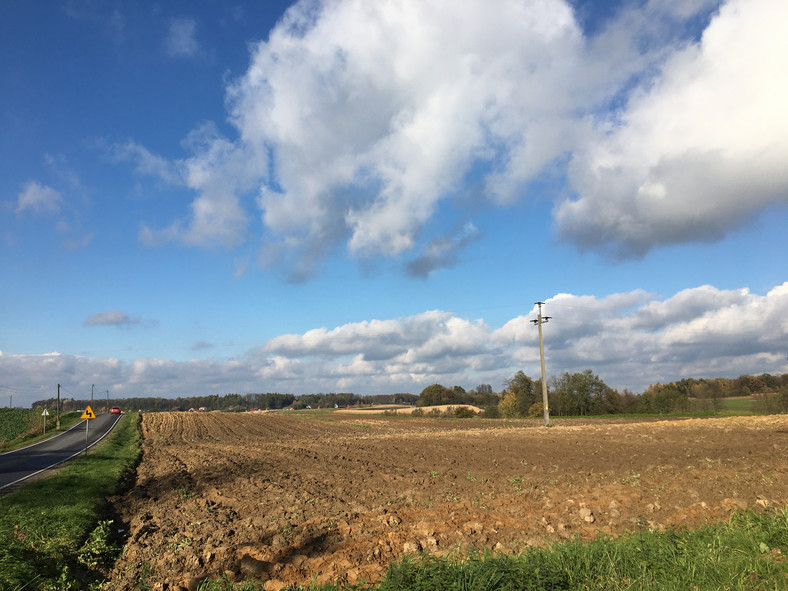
{"points": [[23, 463]]}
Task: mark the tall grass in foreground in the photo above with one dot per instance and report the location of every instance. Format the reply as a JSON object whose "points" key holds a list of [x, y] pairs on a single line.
{"points": [[54, 532], [748, 553]]}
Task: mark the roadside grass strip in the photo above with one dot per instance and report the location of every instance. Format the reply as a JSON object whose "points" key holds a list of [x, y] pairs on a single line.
{"points": [[56, 533]]}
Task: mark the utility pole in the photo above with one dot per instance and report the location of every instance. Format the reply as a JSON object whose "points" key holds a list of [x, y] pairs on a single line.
{"points": [[107, 400], [58, 406], [91, 395], [540, 320]]}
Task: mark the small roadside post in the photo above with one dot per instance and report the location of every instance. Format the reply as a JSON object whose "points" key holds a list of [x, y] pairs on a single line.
{"points": [[87, 415], [45, 414]]}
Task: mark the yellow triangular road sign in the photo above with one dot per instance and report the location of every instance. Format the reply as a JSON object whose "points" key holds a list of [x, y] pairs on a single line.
{"points": [[88, 414]]}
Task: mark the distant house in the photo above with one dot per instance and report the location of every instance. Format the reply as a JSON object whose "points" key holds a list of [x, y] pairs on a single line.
{"points": [[203, 409]]}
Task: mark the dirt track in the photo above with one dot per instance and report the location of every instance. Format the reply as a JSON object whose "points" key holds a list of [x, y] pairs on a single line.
{"points": [[288, 497]]}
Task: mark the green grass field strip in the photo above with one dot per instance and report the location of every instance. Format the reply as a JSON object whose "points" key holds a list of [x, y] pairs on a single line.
{"points": [[55, 532], [14, 422], [744, 405], [33, 430]]}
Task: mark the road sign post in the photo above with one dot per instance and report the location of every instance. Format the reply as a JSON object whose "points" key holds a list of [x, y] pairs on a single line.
{"points": [[45, 414], [87, 415]]}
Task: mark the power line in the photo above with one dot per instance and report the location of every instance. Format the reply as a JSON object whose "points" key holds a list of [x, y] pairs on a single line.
{"points": [[17, 389]]}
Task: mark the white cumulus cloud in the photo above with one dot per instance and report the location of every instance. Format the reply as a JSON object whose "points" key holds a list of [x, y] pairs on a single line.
{"points": [[39, 199], [356, 122], [630, 339], [375, 112], [219, 170], [181, 39], [699, 149]]}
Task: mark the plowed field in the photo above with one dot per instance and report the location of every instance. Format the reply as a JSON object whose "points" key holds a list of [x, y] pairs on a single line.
{"points": [[289, 498]]}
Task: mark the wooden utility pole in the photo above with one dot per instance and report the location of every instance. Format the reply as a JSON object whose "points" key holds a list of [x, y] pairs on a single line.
{"points": [[539, 321], [58, 407], [91, 395]]}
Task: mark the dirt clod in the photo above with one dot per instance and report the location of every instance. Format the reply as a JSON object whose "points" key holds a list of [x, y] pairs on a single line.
{"points": [[586, 515], [251, 567]]}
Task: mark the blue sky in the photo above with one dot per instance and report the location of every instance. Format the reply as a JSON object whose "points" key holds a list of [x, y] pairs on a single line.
{"points": [[204, 198]]}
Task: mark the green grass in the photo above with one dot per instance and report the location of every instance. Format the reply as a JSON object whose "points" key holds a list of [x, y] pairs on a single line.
{"points": [[309, 412], [56, 533], [20, 427], [15, 421], [692, 414], [224, 584], [737, 405], [746, 553]]}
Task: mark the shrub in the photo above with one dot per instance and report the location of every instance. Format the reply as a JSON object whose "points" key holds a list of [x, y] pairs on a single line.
{"points": [[771, 403], [463, 412], [536, 409], [99, 551], [508, 406], [491, 412]]}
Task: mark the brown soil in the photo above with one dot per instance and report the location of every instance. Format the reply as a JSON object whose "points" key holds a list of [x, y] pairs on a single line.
{"points": [[287, 498]]}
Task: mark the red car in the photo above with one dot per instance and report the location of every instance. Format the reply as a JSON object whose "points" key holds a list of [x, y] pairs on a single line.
{"points": [[114, 410]]}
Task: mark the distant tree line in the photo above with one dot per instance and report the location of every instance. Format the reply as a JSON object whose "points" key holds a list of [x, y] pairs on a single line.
{"points": [[570, 394], [436, 394], [584, 393], [707, 394], [231, 402]]}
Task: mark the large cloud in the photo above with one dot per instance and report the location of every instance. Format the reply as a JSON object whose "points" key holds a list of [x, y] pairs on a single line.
{"points": [[356, 121], [630, 339], [376, 111], [698, 150]]}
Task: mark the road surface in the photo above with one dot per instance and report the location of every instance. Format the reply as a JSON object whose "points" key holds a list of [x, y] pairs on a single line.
{"points": [[20, 464]]}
